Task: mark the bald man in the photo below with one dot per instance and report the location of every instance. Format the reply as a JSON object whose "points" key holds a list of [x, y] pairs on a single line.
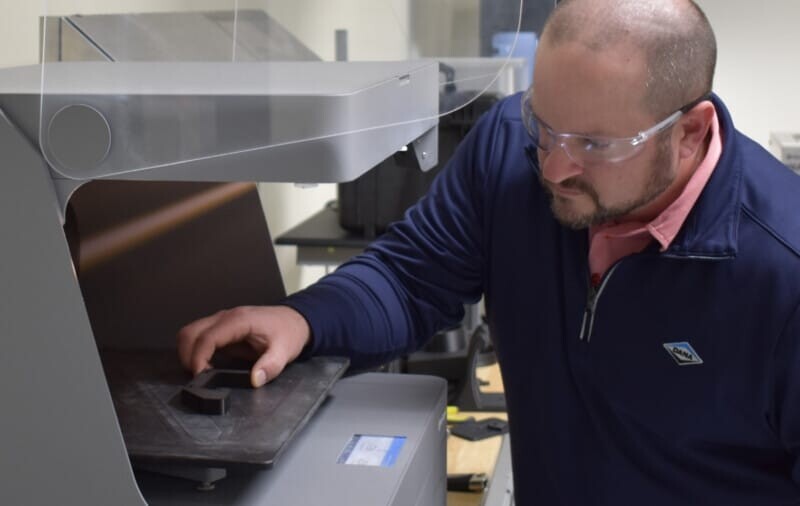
{"points": [[640, 260]]}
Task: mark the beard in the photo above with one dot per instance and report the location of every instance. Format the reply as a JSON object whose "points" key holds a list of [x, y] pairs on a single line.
{"points": [[661, 177]]}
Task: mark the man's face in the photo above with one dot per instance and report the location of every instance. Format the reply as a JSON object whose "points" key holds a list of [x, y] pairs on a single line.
{"points": [[581, 91]]}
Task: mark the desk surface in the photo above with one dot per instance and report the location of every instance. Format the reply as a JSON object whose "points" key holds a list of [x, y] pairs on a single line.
{"points": [[323, 230], [475, 456]]}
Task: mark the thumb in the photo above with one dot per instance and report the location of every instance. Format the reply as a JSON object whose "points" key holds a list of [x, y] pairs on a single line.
{"points": [[267, 367]]}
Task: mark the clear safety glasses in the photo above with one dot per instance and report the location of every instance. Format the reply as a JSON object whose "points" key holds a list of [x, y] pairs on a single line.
{"points": [[591, 151]]}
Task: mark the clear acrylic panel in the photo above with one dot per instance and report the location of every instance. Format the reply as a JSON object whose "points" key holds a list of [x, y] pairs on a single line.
{"points": [[133, 85]]}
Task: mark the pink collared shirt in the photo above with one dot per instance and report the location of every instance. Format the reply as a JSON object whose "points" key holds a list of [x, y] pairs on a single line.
{"points": [[611, 241]]}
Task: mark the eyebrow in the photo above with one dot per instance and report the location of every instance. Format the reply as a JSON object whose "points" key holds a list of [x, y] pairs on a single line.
{"points": [[582, 134], [540, 120]]}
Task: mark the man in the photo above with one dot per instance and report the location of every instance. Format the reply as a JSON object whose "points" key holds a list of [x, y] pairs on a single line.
{"points": [[640, 260]]}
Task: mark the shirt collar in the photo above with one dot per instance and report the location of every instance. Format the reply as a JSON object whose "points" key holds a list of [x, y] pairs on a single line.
{"points": [[665, 227]]}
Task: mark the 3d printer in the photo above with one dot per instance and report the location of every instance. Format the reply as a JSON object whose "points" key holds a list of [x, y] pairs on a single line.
{"points": [[74, 368]]}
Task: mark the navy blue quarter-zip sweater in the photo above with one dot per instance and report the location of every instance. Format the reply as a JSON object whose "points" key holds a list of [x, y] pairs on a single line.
{"points": [[677, 383]]}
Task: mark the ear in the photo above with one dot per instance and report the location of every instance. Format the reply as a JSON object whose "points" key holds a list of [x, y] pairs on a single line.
{"points": [[693, 128]]}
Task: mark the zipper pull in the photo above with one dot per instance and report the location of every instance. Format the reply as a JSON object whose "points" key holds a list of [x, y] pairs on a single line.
{"points": [[587, 312], [583, 323], [596, 285]]}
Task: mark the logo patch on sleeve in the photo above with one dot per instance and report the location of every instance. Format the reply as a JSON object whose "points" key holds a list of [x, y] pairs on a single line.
{"points": [[683, 353]]}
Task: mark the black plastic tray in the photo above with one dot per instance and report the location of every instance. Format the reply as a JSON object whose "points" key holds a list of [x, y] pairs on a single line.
{"points": [[158, 428]]}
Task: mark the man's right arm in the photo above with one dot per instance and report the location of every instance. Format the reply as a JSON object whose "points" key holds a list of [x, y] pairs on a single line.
{"points": [[415, 279], [388, 301]]}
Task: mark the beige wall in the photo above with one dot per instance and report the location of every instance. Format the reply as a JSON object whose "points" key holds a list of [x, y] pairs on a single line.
{"points": [[19, 30], [377, 30], [19, 21], [445, 28], [758, 74]]}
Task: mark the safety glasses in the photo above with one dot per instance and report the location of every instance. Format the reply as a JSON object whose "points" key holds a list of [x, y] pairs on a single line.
{"points": [[594, 151]]}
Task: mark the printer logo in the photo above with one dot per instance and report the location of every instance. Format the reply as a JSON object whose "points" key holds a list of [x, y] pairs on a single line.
{"points": [[683, 353]]}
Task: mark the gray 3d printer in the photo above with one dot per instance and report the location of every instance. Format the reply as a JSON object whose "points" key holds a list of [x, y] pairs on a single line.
{"points": [[95, 400]]}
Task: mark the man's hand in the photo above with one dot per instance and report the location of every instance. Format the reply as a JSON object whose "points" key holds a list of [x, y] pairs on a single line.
{"points": [[276, 333]]}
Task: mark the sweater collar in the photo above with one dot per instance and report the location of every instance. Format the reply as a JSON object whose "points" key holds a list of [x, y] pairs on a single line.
{"points": [[711, 228]]}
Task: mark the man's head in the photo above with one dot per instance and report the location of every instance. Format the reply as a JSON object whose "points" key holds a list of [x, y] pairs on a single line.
{"points": [[613, 69]]}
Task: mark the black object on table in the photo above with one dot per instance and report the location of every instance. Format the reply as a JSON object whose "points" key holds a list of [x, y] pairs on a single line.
{"points": [[470, 482], [477, 430]]}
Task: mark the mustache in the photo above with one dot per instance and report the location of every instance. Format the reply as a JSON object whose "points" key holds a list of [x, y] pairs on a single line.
{"points": [[576, 184], [570, 184]]}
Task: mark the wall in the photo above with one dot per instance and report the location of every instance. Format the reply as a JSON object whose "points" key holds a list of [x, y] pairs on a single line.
{"points": [[757, 70], [445, 28], [377, 30], [19, 23]]}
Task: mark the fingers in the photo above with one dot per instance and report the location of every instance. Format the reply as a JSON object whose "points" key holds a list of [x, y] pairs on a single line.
{"points": [[190, 333], [198, 341], [229, 327], [294, 335], [268, 367], [276, 334]]}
